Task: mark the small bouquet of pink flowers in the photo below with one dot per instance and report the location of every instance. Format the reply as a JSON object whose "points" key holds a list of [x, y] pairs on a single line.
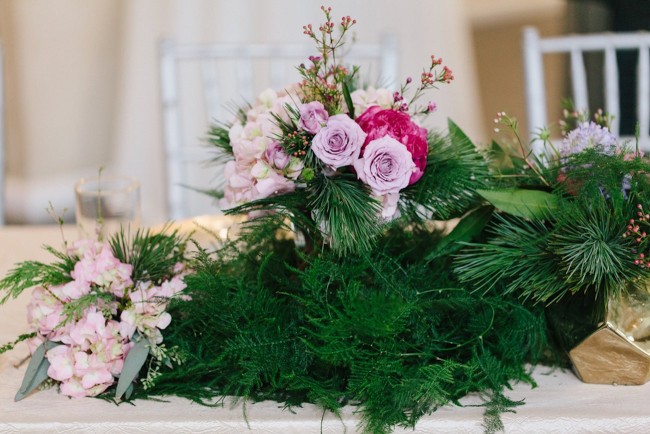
{"points": [[339, 160], [99, 311]]}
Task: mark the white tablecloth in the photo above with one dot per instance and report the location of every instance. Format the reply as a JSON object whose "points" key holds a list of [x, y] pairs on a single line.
{"points": [[561, 403]]}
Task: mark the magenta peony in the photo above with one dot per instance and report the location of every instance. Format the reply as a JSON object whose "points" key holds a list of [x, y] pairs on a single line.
{"points": [[378, 123]]}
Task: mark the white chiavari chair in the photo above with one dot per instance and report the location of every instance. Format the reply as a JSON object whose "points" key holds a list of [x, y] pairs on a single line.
{"points": [[534, 49], [199, 80]]}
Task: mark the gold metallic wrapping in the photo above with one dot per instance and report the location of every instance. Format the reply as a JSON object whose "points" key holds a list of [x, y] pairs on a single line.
{"points": [[612, 347]]}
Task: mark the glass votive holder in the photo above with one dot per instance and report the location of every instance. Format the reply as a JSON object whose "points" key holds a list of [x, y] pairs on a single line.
{"points": [[105, 204]]}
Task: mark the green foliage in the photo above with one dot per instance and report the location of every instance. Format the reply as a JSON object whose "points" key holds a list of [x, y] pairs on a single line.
{"points": [[575, 244], [36, 372], [498, 404], [33, 273], [522, 202], [289, 206], [73, 310], [581, 250], [348, 98], [447, 189], [152, 255], [10, 346], [589, 175], [470, 226], [348, 212], [133, 363], [219, 138], [386, 331]]}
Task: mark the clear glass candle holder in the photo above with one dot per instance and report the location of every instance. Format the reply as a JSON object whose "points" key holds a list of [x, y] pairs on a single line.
{"points": [[106, 204]]}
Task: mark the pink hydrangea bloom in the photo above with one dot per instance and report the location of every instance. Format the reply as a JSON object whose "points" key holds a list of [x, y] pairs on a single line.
{"points": [[98, 266], [255, 149], [93, 347], [44, 311], [62, 362]]}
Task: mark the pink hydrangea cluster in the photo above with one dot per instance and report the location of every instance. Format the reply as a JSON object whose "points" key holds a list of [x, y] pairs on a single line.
{"points": [[261, 168], [94, 343]]}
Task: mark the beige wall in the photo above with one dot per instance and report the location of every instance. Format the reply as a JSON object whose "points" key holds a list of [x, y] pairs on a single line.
{"points": [[61, 76], [497, 35]]}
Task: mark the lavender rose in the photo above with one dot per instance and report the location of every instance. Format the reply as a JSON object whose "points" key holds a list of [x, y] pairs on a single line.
{"points": [[312, 117], [339, 143], [386, 166], [378, 122]]}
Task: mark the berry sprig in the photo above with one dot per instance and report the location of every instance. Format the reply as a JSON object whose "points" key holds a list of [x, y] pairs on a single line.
{"points": [[571, 118], [429, 79], [323, 79], [512, 125], [637, 229], [296, 143]]}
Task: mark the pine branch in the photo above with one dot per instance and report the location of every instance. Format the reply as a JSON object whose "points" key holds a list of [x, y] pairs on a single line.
{"points": [[218, 136], [347, 212], [581, 251], [455, 170], [152, 255], [32, 273]]}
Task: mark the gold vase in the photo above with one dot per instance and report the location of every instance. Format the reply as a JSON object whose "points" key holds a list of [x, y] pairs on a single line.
{"points": [[610, 347]]}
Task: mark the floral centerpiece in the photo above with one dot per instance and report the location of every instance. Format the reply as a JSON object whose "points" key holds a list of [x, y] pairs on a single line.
{"points": [[340, 160], [98, 313]]}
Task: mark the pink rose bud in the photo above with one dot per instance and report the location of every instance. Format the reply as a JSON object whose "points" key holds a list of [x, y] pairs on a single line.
{"points": [[276, 156], [312, 117]]}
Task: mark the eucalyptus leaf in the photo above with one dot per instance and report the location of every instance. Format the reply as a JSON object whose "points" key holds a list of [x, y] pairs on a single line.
{"points": [[36, 372], [467, 228], [531, 204], [129, 391], [132, 365]]}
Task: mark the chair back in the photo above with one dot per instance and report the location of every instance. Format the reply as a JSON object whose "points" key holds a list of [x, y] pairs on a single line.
{"points": [[534, 48], [198, 81]]}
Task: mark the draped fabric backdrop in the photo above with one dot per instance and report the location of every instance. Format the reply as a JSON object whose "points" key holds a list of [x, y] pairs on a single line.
{"points": [[83, 88]]}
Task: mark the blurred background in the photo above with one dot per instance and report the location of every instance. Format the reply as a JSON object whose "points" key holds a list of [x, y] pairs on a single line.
{"points": [[82, 77]]}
